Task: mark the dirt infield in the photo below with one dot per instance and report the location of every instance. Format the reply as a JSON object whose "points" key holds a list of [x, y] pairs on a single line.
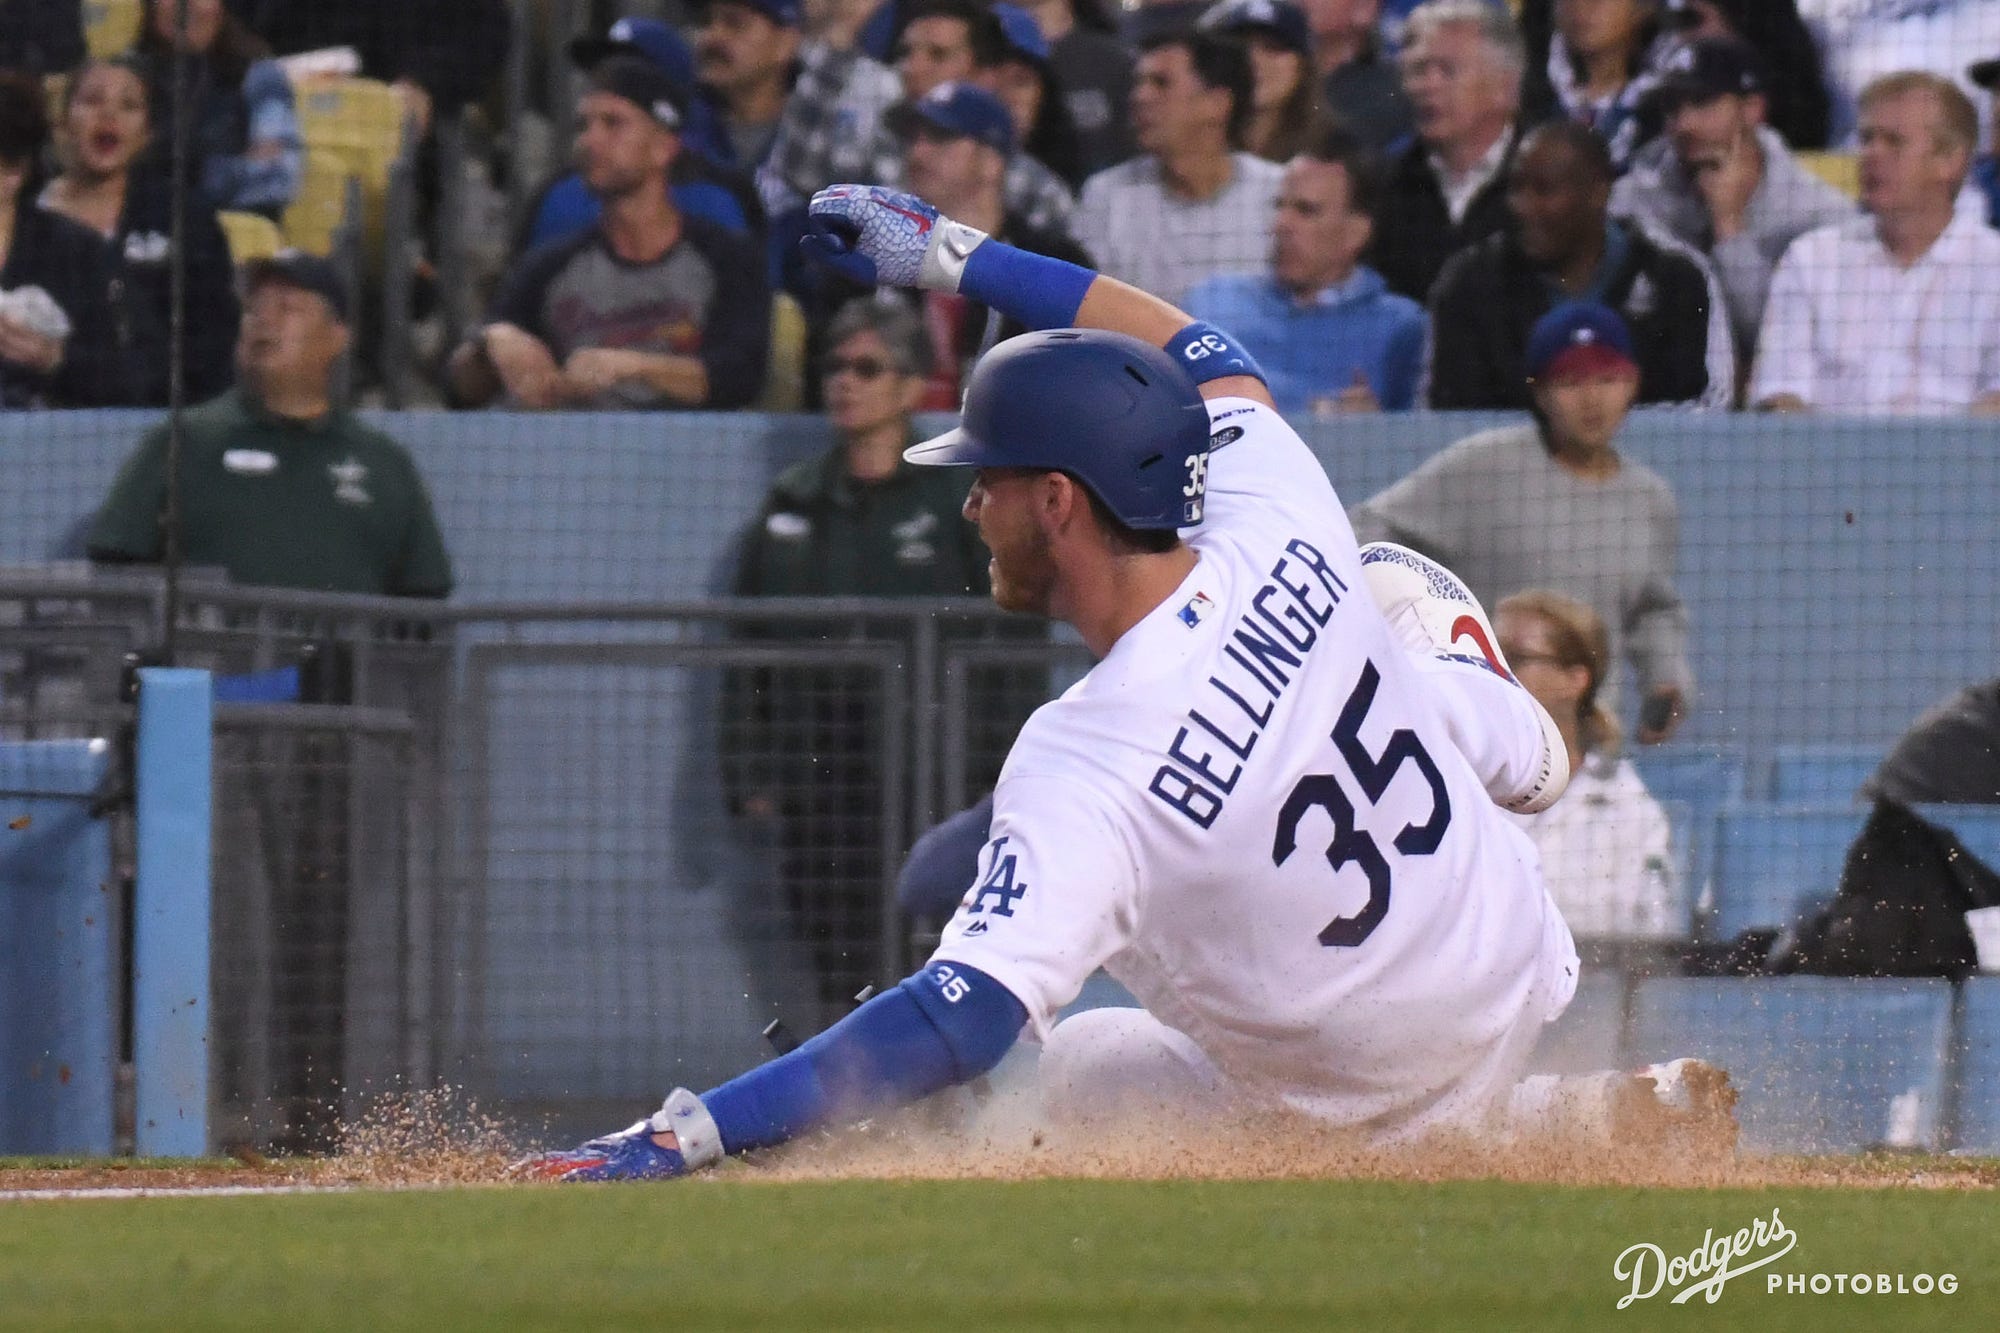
{"points": [[433, 1144]]}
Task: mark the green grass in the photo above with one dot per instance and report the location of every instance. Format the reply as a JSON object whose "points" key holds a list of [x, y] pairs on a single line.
{"points": [[969, 1256]]}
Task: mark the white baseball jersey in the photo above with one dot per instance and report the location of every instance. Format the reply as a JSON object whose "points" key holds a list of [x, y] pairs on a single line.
{"points": [[1250, 814]]}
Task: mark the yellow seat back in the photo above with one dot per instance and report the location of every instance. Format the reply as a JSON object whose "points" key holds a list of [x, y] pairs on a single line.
{"points": [[1840, 170], [785, 371], [316, 212], [111, 27], [251, 236], [360, 122]]}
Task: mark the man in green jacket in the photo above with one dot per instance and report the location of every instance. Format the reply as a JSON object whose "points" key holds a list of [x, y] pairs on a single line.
{"points": [[278, 485]]}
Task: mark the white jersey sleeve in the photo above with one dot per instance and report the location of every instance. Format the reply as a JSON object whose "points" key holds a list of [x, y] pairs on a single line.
{"points": [[1258, 466], [1055, 897]]}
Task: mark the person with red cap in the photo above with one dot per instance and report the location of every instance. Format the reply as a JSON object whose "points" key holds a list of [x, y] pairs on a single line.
{"points": [[1551, 503]]}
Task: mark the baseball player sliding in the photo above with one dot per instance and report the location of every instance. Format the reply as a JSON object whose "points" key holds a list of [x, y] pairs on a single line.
{"points": [[1272, 810]]}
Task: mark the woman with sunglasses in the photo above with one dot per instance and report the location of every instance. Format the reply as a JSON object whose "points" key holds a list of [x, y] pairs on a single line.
{"points": [[1607, 846], [801, 745]]}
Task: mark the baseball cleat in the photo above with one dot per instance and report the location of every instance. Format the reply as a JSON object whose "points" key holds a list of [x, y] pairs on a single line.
{"points": [[1431, 611]]}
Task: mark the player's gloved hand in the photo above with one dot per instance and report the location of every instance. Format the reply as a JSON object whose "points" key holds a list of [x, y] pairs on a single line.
{"points": [[872, 234], [678, 1138]]}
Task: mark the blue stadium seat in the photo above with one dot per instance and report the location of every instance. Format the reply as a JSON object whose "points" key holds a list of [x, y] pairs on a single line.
{"points": [[1821, 774], [1822, 1064], [1775, 864], [1591, 1032], [1978, 1080], [1695, 783]]}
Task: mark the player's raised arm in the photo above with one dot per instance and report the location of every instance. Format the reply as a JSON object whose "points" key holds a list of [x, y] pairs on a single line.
{"points": [[876, 235]]}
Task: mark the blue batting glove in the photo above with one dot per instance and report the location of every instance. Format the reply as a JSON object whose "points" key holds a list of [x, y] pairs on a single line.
{"points": [[879, 236], [678, 1138]]}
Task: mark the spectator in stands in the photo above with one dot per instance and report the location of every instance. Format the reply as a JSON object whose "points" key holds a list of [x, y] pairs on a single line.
{"points": [[1189, 207], [1446, 188], [801, 744], [58, 338], [438, 55], [1607, 846], [1862, 42], [648, 309], [1329, 334], [1898, 311], [1603, 62], [1025, 81], [1794, 81], [834, 98], [41, 37], [1284, 95], [698, 184], [960, 41], [278, 485], [837, 24], [1566, 246], [1986, 171], [1722, 182], [1552, 504], [244, 145], [105, 131], [1358, 81], [1908, 880], [1094, 70], [747, 57], [957, 139]]}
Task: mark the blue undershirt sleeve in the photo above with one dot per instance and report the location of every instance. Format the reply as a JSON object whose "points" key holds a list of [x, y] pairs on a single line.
{"points": [[948, 1024]]}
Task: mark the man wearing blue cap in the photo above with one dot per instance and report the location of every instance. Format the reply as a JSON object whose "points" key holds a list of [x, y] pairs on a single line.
{"points": [[1552, 504], [703, 188], [957, 142]]}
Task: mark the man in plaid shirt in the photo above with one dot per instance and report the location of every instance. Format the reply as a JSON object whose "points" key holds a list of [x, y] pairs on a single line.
{"points": [[837, 101], [942, 41]]}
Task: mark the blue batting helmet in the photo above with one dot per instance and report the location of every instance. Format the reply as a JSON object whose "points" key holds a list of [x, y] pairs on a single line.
{"points": [[1114, 412]]}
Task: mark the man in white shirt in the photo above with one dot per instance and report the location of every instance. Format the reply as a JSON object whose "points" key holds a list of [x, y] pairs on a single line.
{"points": [[1895, 313], [1188, 208]]}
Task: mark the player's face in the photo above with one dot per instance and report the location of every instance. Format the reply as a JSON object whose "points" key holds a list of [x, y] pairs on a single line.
{"points": [[1585, 411], [619, 148], [934, 50], [1557, 204], [1316, 237], [1705, 133], [865, 390], [1906, 161], [1455, 85], [1000, 505], [1529, 644]]}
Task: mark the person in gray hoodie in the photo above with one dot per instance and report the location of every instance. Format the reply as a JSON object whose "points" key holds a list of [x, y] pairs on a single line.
{"points": [[1722, 181]]}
